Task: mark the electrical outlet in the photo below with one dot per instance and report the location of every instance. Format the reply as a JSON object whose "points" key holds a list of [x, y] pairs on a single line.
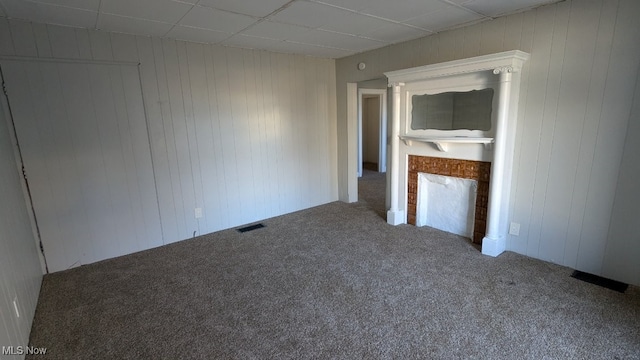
{"points": [[15, 306], [198, 213], [514, 229]]}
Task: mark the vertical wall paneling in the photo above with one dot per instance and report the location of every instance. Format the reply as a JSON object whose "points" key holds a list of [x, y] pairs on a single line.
{"points": [[23, 33], [616, 108], [549, 123], [569, 119], [278, 114], [202, 143], [166, 146], [492, 36], [84, 44], [217, 200], [622, 253], [266, 109], [6, 42], [100, 45], [284, 115], [156, 136], [226, 130], [261, 106], [124, 47], [575, 107], [255, 133], [593, 115], [191, 141], [86, 119], [522, 159], [63, 42], [242, 134], [20, 272], [178, 124], [42, 40]]}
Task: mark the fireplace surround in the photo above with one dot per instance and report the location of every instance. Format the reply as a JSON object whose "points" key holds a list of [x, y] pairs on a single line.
{"points": [[465, 169], [490, 150]]}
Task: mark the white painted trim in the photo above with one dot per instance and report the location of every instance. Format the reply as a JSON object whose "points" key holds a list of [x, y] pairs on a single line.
{"points": [[513, 59], [382, 159], [359, 141], [352, 149], [395, 216], [494, 246]]}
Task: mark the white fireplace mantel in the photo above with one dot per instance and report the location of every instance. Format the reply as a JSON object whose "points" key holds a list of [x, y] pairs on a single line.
{"points": [[442, 142], [505, 67]]}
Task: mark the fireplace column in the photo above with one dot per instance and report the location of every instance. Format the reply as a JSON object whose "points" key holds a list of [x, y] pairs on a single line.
{"points": [[495, 242], [395, 216]]}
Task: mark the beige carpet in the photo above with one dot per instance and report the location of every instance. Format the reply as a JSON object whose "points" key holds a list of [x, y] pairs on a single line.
{"points": [[331, 282]]}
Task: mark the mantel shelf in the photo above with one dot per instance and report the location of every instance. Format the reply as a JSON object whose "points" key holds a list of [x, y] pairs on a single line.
{"points": [[442, 142]]}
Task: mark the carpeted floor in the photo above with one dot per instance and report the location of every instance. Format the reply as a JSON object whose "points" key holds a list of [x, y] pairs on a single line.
{"points": [[335, 282]]}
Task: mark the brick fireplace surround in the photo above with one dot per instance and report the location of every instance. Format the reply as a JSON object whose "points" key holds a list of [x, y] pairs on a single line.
{"points": [[466, 169]]}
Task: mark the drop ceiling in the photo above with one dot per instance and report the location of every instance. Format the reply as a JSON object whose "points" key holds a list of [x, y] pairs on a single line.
{"points": [[326, 28]]}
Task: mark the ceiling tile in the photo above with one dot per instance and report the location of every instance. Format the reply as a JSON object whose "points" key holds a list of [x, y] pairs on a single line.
{"points": [[355, 5], [337, 40], [394, 33], [355, 24], [409, 9], [499, 7], [250, 42], [78, 4], [308, 14], [50, 14], [159, 10], [212, 19], [197, 35], [274, 30], [311, 50], [132, 25], [249, 7], [443, 19]]}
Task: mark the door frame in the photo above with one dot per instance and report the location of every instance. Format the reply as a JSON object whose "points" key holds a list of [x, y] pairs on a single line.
{"points": [[382, 123]]}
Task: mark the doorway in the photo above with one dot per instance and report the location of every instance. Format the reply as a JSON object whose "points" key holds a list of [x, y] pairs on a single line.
{"points": [[372, 130]]}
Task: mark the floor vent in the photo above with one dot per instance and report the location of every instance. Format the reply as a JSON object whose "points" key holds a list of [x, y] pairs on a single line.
{"points": [[600, 281], [250, 228]]}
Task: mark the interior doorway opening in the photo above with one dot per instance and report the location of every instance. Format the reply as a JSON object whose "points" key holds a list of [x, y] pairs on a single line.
{"points": [[372, 130]]}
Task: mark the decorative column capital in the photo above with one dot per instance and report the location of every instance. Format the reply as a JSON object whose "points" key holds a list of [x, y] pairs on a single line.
{"points": [[395, 84], [504, 70]]}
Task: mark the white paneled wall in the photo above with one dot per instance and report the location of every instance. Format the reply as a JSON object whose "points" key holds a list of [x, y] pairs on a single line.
{"points": [[82, 131], [576, 104], [20, 272], [244, 135]]}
